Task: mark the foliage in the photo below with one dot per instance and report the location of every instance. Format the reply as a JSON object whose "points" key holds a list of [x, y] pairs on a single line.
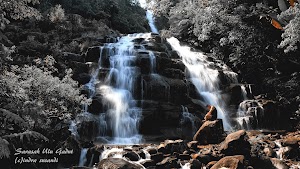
{"points": [[4, 149], [123, 15], [229, 29], [17, 10], [57, 14], [291, 35], [9, 117], [34, 87], [29, 136]]}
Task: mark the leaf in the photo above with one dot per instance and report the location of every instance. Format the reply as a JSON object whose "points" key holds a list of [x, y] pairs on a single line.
{"points": [[13, 118], [4, 149], [30, 135]]}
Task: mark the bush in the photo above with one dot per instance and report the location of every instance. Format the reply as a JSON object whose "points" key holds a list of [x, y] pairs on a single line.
{"points": [[291, 35], [57, 14], [17, 10], [33, 91]]}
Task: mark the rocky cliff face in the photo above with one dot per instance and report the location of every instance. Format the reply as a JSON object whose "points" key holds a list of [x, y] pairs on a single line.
{"points": [[169, 103]]}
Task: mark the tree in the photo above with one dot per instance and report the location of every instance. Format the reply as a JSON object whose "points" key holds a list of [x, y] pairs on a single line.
{"points": [[17, 10], [291, 35]]}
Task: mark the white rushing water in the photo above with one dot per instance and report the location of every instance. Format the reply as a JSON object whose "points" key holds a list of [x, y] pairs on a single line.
{"points": [[121, 115], [204, 78], [149, 15], [82, 159], [117, 92]]}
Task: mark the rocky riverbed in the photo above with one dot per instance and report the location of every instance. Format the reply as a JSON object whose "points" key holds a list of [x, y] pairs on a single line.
{"points": [[237, 150]]}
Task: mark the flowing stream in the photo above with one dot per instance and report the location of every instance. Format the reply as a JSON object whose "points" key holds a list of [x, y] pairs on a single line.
{"points": [[205, 78]]}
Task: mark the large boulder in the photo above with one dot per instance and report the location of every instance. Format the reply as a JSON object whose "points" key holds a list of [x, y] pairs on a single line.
{"points": [[87, 127], [171, 146], [236, 143], [211, 132], [230, 162]]}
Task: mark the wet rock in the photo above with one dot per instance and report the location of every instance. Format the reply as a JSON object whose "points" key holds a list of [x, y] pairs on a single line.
{"points": [[292, 143], [88, 127], [142, 154], [263, 114], [166, 117], [79, 67], [278, 164], [172, 146], [144, 64], [82, 78], [152, 151], [230, 162], [164, 63], [93, 154], [192, 144], [195, 164], [184, 157], [211, 163], [117, 163], [168, 162], [173, 73], [205, 159], [236, 94], [210, 132], [158, 157], [97, 105], [154, 46], [269, 152], [160, 88], [236, 143], [148, 163], [92, 54], [132, 156]]}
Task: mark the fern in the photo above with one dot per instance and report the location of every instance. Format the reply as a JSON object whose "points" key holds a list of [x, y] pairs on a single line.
{"points": [[4, 150], [29, 135], [13, 118]]}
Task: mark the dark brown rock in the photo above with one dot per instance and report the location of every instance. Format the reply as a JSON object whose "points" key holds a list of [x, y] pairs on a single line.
{"points": [[278, 164], [172, 146], [158, 157], [184, 157], [168, 162], [192, 145], [92, 54], [132, 156], [210, 132], [148, 163], [236, 143], [230, 162], [93, 154], [195, 164]]}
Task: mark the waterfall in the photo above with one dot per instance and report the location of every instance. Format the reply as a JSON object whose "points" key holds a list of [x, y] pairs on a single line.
{"points": [[204, 78], [117, 92], [150, 19], [83, 159], [149, 15], [187, 117]]}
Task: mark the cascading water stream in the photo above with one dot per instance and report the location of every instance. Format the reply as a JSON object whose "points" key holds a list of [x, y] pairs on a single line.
{"points": [[117, 92], [204, 78], [149, 15]]}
